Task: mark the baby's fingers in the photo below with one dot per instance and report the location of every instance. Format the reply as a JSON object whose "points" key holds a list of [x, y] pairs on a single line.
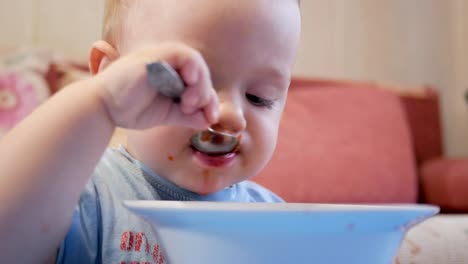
{"points": [[200, 94], [195, 120]]}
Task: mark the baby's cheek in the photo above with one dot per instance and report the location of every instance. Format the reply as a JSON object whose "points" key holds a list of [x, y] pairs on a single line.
{"points": [[266, 143]]}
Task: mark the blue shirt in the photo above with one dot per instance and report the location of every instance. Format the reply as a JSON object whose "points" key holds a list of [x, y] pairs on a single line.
{"points": [[104, 231]]}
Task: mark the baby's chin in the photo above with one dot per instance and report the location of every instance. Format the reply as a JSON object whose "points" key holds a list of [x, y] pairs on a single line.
{"points": [[205, 182], [206, 187]]}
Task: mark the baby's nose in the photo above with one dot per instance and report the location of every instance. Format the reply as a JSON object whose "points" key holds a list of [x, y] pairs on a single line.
{"points": [[231, 118]]}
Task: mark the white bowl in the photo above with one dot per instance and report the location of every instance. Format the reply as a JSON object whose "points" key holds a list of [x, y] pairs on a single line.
{"points": [[225, 233]]}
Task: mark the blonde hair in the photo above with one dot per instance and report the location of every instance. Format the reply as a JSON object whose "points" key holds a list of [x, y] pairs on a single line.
{"points": [[114, 10]]}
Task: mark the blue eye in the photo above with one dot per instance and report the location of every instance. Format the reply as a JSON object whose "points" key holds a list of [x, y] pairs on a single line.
{"points": [[258, 101]]}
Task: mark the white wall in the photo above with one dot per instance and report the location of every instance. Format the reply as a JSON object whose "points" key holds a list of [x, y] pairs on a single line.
{"points": [[398, 41], [455, 108], [388, 40], [63, 25]]}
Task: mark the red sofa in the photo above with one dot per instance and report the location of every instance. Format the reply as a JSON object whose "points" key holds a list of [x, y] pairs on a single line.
{"points": [[358, 142]]}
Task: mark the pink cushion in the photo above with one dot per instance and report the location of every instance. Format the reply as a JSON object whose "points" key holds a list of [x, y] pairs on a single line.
{"points": [[342, 145]]}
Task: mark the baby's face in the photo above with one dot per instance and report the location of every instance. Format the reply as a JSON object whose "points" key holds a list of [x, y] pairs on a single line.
{"points": [[249, 46]]}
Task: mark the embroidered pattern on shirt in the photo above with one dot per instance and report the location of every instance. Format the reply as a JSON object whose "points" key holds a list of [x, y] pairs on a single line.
{"points": [[138, 242]]}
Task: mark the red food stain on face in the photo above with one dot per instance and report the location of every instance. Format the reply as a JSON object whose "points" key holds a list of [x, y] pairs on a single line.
{"points": [[45, 228], [206, 173], [170, 158]]}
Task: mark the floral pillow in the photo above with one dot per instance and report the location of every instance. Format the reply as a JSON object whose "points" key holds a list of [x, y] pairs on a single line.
{"points": [[22, 85], [28, 77], [20, 94]]}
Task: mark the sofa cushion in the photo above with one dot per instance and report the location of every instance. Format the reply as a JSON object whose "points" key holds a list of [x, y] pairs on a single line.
{"points": [[444, 182], [342, 145], [422, 112]]}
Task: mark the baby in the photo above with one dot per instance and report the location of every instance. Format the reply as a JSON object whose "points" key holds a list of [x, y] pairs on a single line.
{"points": [[235, 58]]}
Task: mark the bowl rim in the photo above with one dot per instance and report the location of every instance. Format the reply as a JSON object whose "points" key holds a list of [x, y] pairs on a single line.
{"points": [[276, 207]]}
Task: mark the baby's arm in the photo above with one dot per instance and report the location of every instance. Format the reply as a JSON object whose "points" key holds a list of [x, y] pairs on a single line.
{"points": [[46, 160]]}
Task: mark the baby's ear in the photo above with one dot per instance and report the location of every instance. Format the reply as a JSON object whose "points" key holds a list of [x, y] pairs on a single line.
{"points": [[102, 54]]}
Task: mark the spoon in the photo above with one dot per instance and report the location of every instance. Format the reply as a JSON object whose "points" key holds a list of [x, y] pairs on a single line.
{"points": [[169, 83], [214, 143]]}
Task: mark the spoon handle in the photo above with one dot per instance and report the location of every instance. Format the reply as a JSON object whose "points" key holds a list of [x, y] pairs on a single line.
{"points": [[165, 79]]}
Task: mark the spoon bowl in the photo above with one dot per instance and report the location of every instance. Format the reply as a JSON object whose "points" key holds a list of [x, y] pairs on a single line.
{"points": [[214, 142]]}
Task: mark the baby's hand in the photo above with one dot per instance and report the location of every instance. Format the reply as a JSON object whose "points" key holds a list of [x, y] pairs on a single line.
{"points": [[133, 103]]}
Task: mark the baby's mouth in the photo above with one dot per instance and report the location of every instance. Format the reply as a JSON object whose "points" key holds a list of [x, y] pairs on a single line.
{"points": [[214, 160], [216, 153], [214, 144]]}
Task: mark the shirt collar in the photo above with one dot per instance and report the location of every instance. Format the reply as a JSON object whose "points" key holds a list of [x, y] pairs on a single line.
{"points": [[170, 191]]}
